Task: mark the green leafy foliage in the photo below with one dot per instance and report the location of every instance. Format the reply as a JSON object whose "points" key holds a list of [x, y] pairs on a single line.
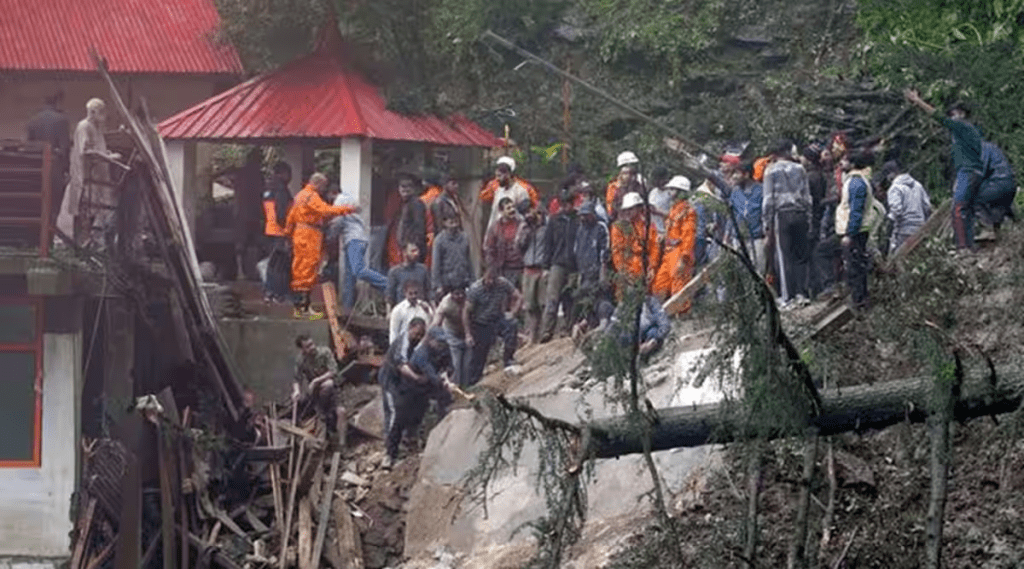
{"points": [[969, 51]]}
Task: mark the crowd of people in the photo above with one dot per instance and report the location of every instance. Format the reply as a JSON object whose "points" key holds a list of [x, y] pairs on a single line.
{"points": [[806, 217]]}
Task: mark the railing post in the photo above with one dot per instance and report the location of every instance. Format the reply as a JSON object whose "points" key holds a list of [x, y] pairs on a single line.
{"points": [[45, 223]]}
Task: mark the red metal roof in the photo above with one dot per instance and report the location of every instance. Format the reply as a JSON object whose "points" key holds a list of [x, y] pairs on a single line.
{"points": [[135, 36], [315, 97]]}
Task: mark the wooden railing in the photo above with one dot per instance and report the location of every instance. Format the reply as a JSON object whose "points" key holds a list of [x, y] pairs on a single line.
{"points": [[27, 181]]}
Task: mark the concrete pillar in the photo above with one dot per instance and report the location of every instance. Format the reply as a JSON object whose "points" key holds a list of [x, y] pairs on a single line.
{"points": [[357, 171], [181, 161], [292, 155]]}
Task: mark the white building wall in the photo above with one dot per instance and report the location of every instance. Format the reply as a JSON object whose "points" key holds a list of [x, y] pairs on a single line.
{"points": [[35, 503]]}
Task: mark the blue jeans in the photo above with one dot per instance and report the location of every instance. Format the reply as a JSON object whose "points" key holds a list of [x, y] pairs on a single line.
{"points": [[964, 194], [355, 258]]}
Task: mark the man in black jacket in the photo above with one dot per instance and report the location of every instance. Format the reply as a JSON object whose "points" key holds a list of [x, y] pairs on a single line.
{"points": [[560, 262]]}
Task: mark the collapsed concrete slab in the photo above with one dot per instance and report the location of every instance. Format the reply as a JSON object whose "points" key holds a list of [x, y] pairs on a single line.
{"points": [[440, 516]]}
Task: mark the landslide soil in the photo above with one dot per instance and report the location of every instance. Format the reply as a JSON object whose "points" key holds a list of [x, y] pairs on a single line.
{"points": [[883, 478]]}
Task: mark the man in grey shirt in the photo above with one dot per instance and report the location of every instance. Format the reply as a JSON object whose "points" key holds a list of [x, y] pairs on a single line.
{"points": [[354, 240], [786, 213]]}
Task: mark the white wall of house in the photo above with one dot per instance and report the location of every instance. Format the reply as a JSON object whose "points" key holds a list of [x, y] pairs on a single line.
{"points": [[36, 502]]}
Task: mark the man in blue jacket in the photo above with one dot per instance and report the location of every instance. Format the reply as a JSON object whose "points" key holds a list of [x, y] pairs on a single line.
{"points": [[998, 187]]}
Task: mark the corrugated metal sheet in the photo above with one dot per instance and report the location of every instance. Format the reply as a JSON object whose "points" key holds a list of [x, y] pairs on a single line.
{"points": [[315, 97], [135, 36]]}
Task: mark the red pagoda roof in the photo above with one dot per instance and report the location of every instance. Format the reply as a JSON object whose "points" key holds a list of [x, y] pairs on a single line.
{"points": [[135, 36], [316, 96]]}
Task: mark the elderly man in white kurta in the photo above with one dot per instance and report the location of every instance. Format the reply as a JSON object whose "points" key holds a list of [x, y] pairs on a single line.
{"points": [[88, 209]]}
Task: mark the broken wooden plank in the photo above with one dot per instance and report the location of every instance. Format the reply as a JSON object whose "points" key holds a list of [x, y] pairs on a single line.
{"points": [[305, 534], [275, 472], [128, 552], [257, 525], [101, 557], [350, 545], [839, 317], [325, 509], [84, 528], [219, 557], [679, 300], [286, 534], [265, 454], [229, 523], [291, 429], [167, 487], [937, 221], [331, 312]]}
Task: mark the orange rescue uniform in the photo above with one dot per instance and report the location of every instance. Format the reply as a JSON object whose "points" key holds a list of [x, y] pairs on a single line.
{"points": [[629, 247], [612, 198], [680, 238], [305, 227], [272, 228]]}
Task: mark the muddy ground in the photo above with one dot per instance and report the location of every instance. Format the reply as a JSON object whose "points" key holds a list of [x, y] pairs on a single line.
{"points": [[882, 477]]}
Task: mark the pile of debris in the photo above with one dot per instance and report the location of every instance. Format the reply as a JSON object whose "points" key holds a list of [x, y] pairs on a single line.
{"points": [[270, 491]]}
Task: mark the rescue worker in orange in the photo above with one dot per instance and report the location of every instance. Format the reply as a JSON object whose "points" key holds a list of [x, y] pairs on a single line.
{"points": [[277, 199], [305, 225], [628, 165], [680, 238], [628, 243], [507, 185]]}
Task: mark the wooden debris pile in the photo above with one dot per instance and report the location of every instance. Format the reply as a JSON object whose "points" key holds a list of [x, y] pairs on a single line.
{"points": [[270, 491]]}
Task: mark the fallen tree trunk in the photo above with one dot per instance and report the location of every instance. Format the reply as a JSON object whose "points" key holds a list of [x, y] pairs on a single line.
{"points": [[857, 408]]}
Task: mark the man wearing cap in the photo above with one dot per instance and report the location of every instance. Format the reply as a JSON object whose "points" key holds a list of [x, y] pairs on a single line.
{"points": [[633, 239], [628, 165], [680, 237], [967, 162], [590, 255], [507, 185]]}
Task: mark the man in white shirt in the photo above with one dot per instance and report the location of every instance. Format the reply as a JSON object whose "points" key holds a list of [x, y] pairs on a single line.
{"points": [[405, 311]]}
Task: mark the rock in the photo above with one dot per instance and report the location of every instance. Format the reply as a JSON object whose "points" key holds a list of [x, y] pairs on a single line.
{"points": [[370, 417], [853, 472]]}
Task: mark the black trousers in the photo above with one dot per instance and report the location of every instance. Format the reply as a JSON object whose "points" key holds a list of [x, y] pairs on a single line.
{"points": [[410, 405], [484, 336], [856, 262], [792, 253], [827, 264]]}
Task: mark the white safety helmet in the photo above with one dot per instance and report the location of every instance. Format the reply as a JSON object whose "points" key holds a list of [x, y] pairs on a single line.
{"points": [[632, 199], [508, 161], [679, 183], [627, 158]]}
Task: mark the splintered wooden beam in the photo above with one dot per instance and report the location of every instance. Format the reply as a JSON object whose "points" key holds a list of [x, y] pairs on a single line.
{"points": [[934, 224], [326, 499], [678, 302], [305, 534]]}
